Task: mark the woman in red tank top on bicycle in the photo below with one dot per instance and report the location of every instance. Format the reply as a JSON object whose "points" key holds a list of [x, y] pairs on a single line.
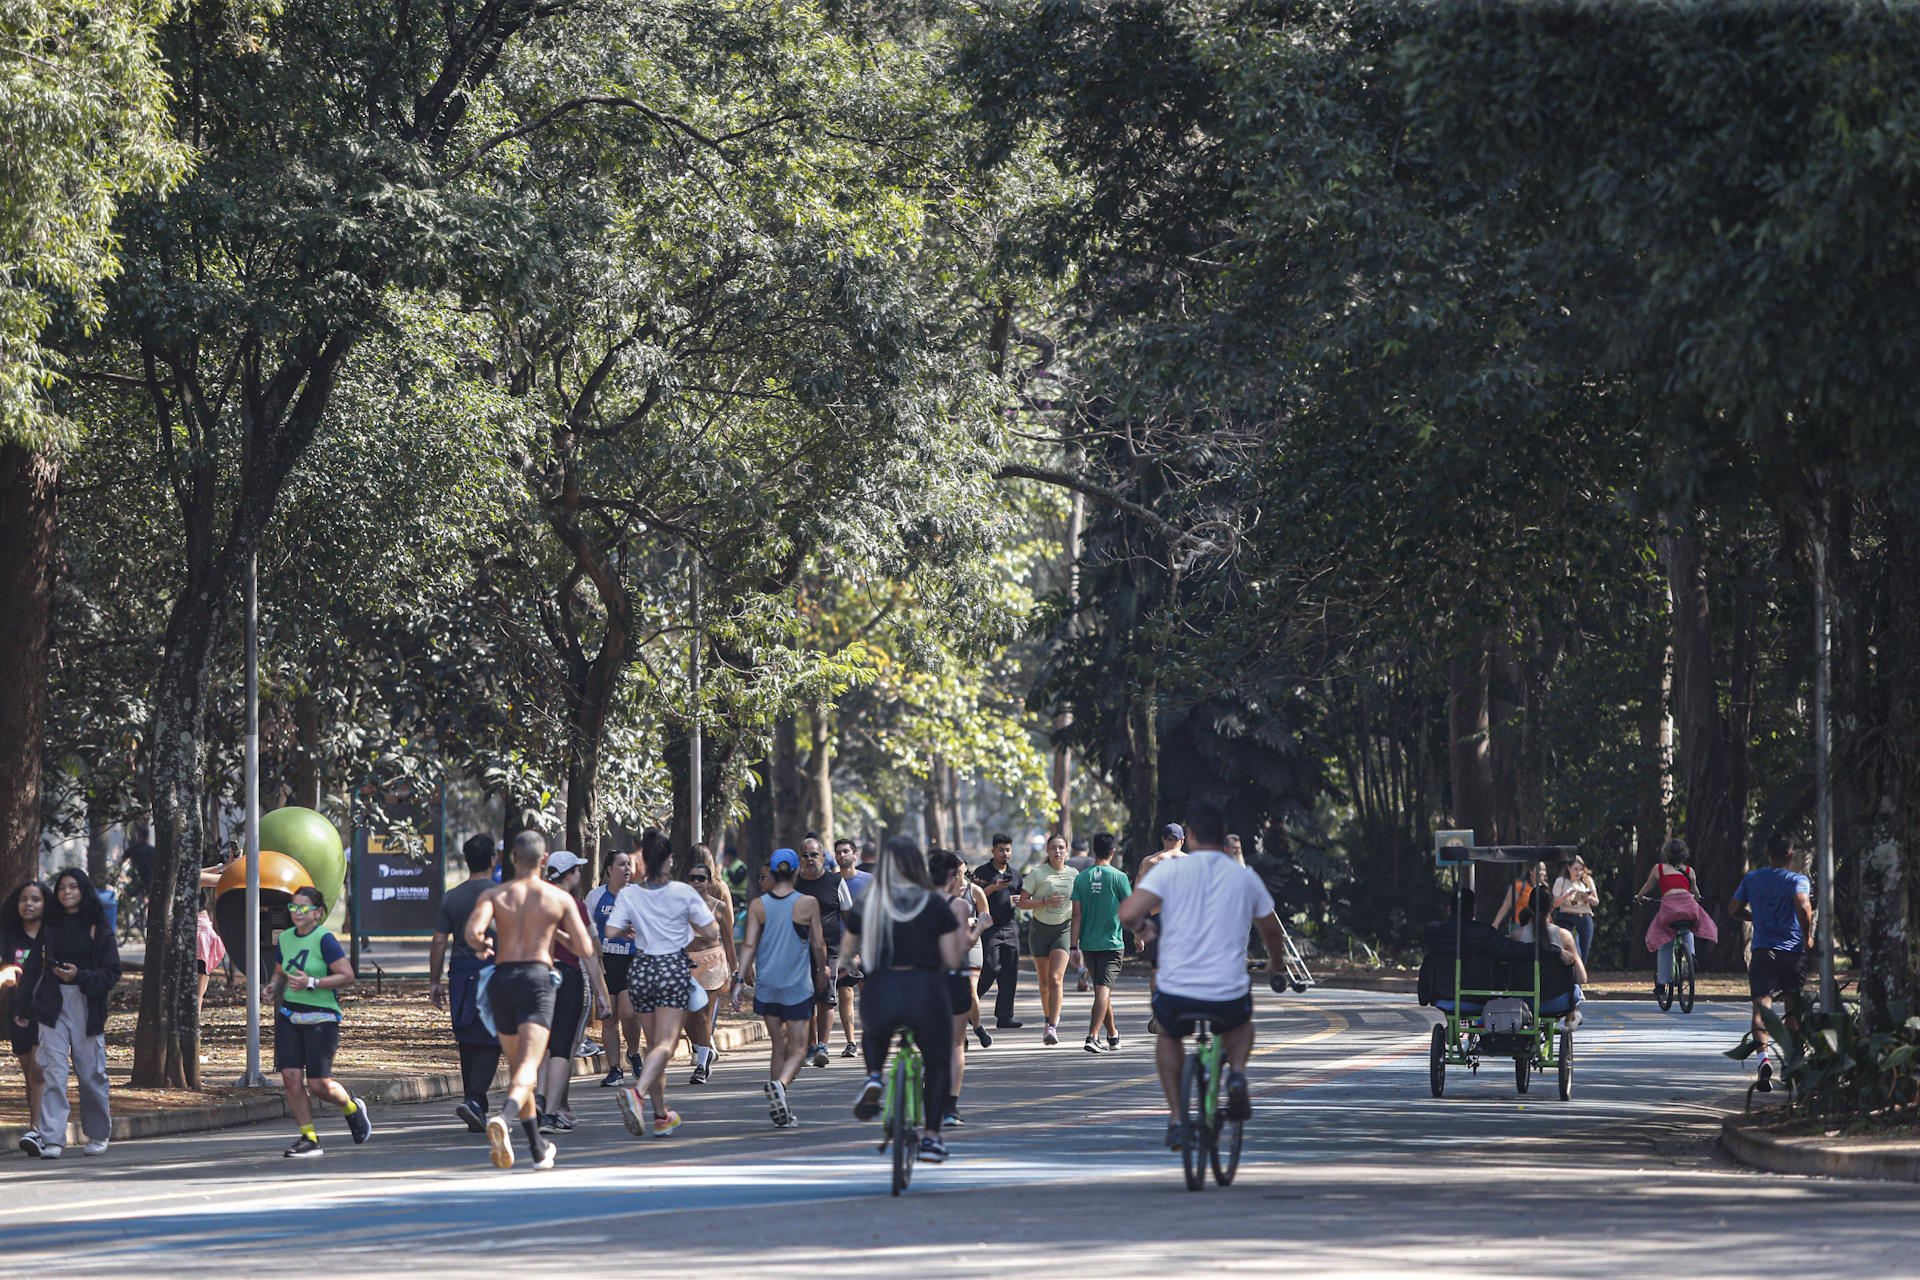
{"points": [[1680, 914]]}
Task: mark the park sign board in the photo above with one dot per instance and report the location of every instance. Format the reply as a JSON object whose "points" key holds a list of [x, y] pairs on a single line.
{"points": [[399, 872]]}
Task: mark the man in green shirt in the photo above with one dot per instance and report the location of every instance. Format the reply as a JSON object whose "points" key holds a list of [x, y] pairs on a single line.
{"points": [[1097, 894]]}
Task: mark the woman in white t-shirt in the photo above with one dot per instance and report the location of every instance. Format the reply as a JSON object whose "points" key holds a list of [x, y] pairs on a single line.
{"points": [[662, 916]]}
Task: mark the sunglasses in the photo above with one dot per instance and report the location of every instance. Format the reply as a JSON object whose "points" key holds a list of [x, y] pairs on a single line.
{"points": [[301, 909]]}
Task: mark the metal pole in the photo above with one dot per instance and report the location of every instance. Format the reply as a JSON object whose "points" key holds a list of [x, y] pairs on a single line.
{"points": [[694, 815], [253, 1079], [1823, 790]]}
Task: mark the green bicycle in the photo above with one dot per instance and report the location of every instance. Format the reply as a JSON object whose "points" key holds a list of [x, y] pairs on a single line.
{"points": [[900, 1109], [1203, 1114]]}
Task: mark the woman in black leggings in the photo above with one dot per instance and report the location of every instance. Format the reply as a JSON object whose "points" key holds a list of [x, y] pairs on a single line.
{"points": [[908, 938]]}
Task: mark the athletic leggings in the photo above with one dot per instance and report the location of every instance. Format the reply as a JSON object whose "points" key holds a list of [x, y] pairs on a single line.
{"points": [[916, 999]]}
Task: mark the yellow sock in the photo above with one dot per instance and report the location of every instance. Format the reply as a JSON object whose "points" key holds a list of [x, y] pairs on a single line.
{"points": [[306, 1131], [349, 1108]]}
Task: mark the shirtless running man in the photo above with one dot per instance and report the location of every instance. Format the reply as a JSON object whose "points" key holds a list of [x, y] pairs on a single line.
{"points": [[526, 915]]}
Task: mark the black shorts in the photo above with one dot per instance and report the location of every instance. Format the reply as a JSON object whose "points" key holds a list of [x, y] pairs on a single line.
{"points": [[305, 1046], [1102, 966], [617, 970], [959, 993], [802, 1012], [23, 1039], [1151, 952], [521, 993], [1771, 972], [1176, 1014], [569, 1003]]}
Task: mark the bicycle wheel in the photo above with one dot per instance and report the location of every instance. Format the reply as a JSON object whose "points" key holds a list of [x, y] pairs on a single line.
{"points": [[1226, 1162], [1437, 1060], [1522, 1072], [1566, 1064], [1193, 1157], [1683, 977], [900, 1129]]}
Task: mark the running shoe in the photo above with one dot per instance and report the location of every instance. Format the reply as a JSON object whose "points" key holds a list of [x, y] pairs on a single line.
{"points": [[613, 1077], [303, 1148], [777, 1109], [1575, 1018], [662, 1126], [544, 1160], [701, 1070], [98, 1147], [1113, 1044], [867, 1105], [851, 1051], [562, 1122], [587, 1049], [1049, 1036], [932, 1149], [820, 1055], [51, 1153], [1239, 1105], [499, 1140], [1765, 1083], [1092, 1045], [1007, 1024], [546, 1123], [475, 1122], [633, 1110], [980, 1034], [952, 1120], [30, 1143], [360, 1124], [1176, 1136]]}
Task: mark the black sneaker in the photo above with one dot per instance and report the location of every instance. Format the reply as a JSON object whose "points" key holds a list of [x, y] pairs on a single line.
{"points": [[867, 1105], [612, 1078], [30, 1143], [476, 1123], [1765, 1083], [851, 1051], [932, 1149], [1007, 1024], [1659, 991], [303, 1148], [560, 1123], [701, 1071], [1092, 1045], [1176, 1136], [980, 1034], [360, 1124], [1113, 1044], [547, 1123], [1239, 1105]]}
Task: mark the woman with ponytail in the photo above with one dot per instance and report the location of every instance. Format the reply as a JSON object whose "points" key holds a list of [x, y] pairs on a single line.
{"points": [[906, 937]]}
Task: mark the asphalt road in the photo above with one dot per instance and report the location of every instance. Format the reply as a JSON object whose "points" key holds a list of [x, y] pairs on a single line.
{"points": [[1351, 1168]]}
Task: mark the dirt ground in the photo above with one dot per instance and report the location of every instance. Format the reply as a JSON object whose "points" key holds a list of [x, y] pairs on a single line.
{"points": [[391, 1030]]}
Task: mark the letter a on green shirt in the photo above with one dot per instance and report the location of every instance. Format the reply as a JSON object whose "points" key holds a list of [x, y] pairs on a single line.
{"points": [[1099, 891]]}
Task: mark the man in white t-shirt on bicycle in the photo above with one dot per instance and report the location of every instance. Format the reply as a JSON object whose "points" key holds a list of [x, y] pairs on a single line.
{"points": [[1206, 901]]}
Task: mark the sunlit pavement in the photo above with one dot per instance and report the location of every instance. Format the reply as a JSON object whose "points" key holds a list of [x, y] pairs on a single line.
{"points": [[1351, 1168]]}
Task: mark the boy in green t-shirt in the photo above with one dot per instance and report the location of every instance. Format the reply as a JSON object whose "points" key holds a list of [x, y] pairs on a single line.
{"points": [[1097, 894], [312, 968]]}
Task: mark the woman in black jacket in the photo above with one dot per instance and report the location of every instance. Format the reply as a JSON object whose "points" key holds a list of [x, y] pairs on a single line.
{"points": [[70, 1003], [21, 936]]}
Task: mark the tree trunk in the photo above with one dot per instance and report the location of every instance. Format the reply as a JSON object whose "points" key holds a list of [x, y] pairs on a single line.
{"points": [[1715, 812], [789, 805], [1143, 765], [303, 769], [28, 553], [757, 833], [1469, 751], [587, 711], [956, 825], [1883, 888], [99, 823], [930, 806], [820, 771], [1062, 756]]}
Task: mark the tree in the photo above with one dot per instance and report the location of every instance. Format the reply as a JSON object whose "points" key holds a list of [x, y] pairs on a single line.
{"points": [[86, 124]]}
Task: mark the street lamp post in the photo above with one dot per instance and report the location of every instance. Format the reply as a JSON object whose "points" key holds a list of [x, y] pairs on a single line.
{"points": [[694, 797], [1823, 789], [251, 766]]}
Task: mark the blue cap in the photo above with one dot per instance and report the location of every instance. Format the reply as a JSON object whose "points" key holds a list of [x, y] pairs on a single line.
{"points": [[1172, 831], [784, 860]]}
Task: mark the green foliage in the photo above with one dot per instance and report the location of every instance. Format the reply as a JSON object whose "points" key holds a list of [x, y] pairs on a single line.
{"points": [[1835, 1069], [83, 122]]}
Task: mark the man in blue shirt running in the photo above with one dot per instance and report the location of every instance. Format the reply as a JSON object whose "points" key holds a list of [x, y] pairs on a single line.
{"points": [[1777, 899]]}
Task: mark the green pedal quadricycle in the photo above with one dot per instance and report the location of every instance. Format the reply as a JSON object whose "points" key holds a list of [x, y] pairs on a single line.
{"points": [[1501, 998], [901, 1118]]}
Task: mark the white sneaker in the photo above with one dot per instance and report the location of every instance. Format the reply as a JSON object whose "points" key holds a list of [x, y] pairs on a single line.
{"points": [[51, 1153], [95, 1148]]}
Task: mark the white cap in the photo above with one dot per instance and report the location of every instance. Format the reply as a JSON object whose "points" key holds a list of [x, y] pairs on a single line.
{"points": [[559, 862]]}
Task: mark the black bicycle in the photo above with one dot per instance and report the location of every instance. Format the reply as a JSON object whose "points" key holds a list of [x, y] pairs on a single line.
{"points": [[1681, 988]]}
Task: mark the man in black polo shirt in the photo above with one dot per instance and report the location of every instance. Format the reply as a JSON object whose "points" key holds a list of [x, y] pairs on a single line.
{"points": [[821, 880], [1000, 944]]}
